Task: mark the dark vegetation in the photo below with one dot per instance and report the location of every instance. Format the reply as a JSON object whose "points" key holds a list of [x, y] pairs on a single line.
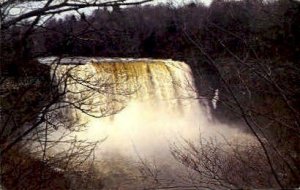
{"points": [[249, 50]]}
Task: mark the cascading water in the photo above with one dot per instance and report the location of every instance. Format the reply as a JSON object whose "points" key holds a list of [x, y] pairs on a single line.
{"points": [[143, 104]]}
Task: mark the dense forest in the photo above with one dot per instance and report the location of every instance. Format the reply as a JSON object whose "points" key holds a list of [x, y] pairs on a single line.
{"points": [[248, 50], [271, 29], [162, 31]]}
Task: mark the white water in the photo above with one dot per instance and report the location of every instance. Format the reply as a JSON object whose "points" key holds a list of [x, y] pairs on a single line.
{"points": [[154, 102]]}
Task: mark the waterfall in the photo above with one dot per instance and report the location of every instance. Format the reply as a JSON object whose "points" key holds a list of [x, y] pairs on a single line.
{"points": [[143, 105]]}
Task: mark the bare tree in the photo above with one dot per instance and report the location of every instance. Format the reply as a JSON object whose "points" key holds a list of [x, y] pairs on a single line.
{"points": [[251, 87], [261, 91], [51, 7], [38, 105], [42, 142]]}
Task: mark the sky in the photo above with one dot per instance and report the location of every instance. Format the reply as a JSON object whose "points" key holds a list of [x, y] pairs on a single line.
{"points": [[25, 7], [178, 2]]}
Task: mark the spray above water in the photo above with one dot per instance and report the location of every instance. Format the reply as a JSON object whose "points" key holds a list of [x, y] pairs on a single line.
{"points": [[143, 104]]}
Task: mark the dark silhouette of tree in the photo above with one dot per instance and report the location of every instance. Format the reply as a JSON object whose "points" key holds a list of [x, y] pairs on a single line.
{"points": [[33, 97]]}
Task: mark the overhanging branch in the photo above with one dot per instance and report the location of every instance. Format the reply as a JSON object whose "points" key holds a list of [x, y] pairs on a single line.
{"points": [[65, 6]]}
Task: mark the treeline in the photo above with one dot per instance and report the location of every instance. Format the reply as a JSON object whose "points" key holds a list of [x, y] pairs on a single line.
{"points": [[163, 31], [271, 29]]}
